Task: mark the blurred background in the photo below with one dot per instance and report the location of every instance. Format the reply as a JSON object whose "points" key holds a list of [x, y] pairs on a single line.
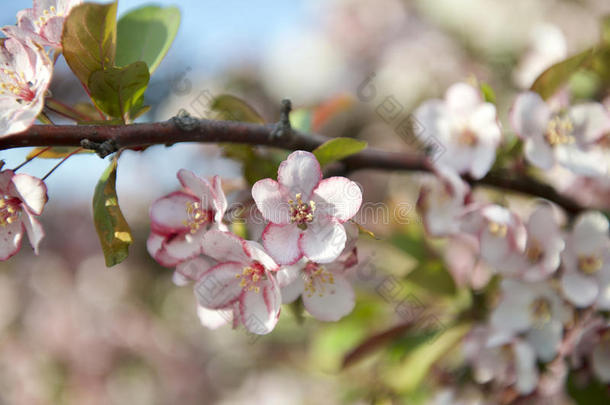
{"points": [[74, 332]]}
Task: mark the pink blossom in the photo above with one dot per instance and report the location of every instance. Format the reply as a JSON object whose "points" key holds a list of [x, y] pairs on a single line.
{"points": [[241, 280], [586, 262], [43, 23], [542, 253], [22, 199], [466, 126], [563, 137], [25, 74], [180, 219], [499, 231], [442, 203], [306, 213], [325, 289]]}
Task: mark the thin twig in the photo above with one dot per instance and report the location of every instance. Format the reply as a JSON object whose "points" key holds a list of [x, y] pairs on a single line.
{"points": [[61, 162]]}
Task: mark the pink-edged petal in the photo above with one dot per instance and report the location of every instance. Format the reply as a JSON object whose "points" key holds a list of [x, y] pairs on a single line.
{"points": [[33, 228], [330, 302], [258, 254], [220, 200], [590, 232], [529, 115], [199, 187], [462, 98], [219, 286], [260, 311], [10, 239], [300, 173], [580, 290], [591, 121], [214, 318], [183, 247], [31, 190], [224, 247], [169, 214], [323, 241], [337, 197], [282, 243], [193, 269], [292, 291], [154, 245], [271, 201], [52, 30], [288, 274]]}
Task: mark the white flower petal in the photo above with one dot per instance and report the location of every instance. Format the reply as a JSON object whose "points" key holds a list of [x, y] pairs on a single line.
{"points": [[271, 201], [282, 243], [323, 240], [259, 311], [337, 197], [330, 302], [530, 115], [169, 214], [10, 239], [580, 290], [300, 173], [219, 287], [214, 318], [224, 247], [32, 191]]}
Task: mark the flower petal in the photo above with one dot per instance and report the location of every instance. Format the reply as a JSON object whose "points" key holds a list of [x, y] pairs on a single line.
{"points": [[219, 287], [462, 98], [169, 214], [198, 187], [260, 311], [299, 173], [224, 247], [193, 269], [154, 245], [214, 318], [271, 201], [337, 197], [529, 115], [10, 239], [580, 290], [33, 228], [591, 121], [323, 241], [330, 302], [184, 247], [257, 253], [31, 190], [220, 200], [282, 243]]}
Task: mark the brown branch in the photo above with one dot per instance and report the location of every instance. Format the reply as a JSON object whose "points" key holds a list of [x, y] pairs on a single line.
{"points": [[187, 129]]}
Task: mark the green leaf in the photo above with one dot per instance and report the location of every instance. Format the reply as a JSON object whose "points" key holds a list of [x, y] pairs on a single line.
{"points": [[146, 34], [590, 392], [557, 75], [89, 39], [119, 91], [231, 108], [56, 152], [488, 92], [112, 229], [337, 149], [301, 119], [413, 369]]}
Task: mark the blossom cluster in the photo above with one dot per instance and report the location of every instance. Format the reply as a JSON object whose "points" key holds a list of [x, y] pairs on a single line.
{"points": [[25, 65], [306, 249], [554, 279]]}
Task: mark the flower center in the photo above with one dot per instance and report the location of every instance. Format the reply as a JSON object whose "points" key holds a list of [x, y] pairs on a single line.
{"points": [[316, 278], [497, 229], [467, 137], [197, 216], [9, 210], [301, 213], [15, 84], [47, 15], [534, 251], [559, 131], [251, 277], [589, 264], [540, 311]]}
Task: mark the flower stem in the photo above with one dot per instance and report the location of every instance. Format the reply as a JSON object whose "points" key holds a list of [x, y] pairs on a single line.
{"points": [[65, 110], [61, 162], [28, 160]]}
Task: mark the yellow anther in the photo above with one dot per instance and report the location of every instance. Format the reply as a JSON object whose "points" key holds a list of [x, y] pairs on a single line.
{"points": [[497, 229], [589, 264], [540, 311], [559, 131], [534, 251]]}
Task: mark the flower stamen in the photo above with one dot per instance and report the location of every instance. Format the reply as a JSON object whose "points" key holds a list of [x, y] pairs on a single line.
{"points": [[559, 131], [197, 216], [251, 276], [9, 211], [300, 212], [316, 278], [589, 264]]}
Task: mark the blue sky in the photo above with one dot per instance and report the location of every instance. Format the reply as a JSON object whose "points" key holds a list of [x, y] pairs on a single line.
{"points": [[213, 35]]}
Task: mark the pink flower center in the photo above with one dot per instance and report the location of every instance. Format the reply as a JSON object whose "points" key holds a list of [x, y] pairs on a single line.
{"points": [[197, 216], [301, 213], [534, 251], [589, 264], [46, 16], [559, 131], [251, 277], [16, 85], [9, 210], [468, 137], [316, 279]]}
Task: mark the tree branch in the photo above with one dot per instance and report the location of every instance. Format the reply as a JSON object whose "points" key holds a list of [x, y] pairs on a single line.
{"points": [[186, 129]]}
